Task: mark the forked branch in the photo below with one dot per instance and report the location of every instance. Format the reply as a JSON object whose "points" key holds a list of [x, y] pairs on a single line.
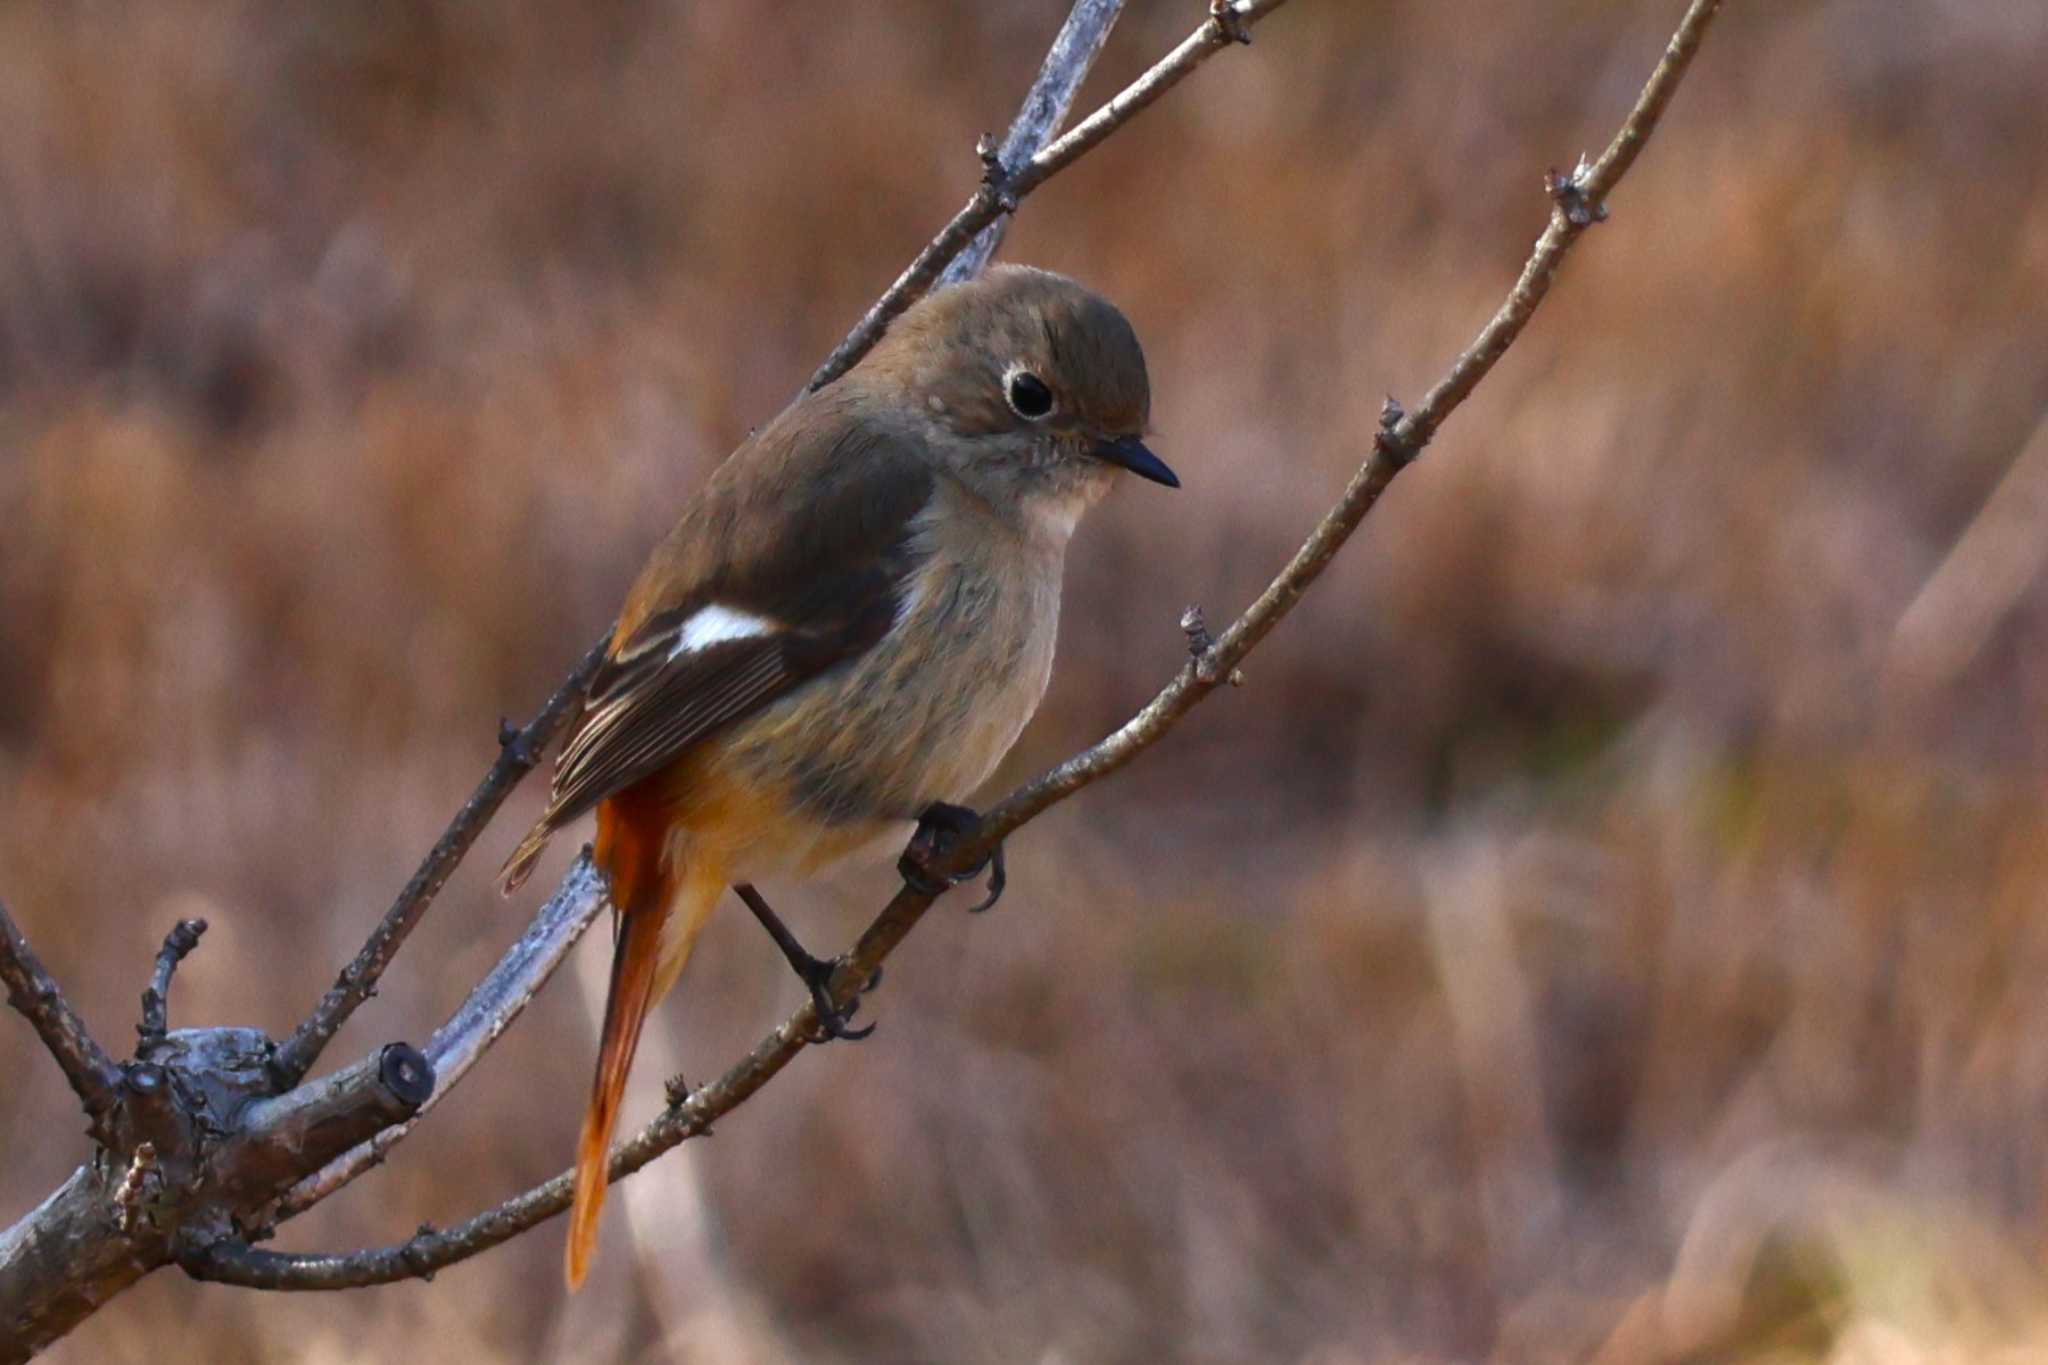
{"points": [[1577, 202]]}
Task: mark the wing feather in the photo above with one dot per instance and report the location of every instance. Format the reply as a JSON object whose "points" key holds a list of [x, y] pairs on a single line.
{"points": [[816, 540]]}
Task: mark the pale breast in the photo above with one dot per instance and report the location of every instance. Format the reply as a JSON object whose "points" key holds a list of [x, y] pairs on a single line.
{"points": [[928, 713]]}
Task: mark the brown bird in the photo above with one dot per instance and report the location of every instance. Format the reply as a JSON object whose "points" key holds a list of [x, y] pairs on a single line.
{"points": [[845, 633]]}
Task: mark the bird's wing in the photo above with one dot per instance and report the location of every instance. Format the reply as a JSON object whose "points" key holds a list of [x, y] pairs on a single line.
{"points": [[792, 560]]}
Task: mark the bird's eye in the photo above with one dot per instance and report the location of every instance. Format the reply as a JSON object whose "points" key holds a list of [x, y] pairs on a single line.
{"points": [[1029, 397]]}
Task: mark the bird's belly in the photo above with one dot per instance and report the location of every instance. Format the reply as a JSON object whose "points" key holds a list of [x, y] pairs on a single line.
{"points": [[924, 716]]}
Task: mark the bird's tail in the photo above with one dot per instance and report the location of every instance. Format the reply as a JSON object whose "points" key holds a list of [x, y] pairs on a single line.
{"points": [[625, 1010], [658, 923]]}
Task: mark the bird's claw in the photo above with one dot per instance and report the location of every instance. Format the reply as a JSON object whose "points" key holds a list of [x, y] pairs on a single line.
{"points": [[814, 972], [832, 1019], [939, 829]]}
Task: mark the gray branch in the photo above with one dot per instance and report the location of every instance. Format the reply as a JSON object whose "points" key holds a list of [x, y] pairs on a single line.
{"points": [[196, 1144], [1213, 665], [1067, 64], [33, 991], [1002, 189], [518, 751], [490, 1009]]}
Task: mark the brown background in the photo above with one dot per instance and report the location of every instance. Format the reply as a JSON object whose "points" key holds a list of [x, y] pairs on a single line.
{"points": [[1611, 912]]}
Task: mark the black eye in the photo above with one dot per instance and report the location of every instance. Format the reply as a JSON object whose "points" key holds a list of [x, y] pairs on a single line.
{"points": [[1029, 397]]}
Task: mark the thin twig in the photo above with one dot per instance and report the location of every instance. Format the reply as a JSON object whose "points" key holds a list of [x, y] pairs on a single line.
{"points": [[1066, 65], [156, 1000], [518, 751], [490, 1009], [1579, 200], [496, 1002], [33, 991], [1001, 190], [432, 1250]]}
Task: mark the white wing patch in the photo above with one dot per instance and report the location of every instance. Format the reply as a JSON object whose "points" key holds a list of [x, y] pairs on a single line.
{"points": [[715, 624]]}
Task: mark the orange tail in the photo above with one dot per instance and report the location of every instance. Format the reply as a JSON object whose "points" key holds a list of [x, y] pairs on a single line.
{"points": [[660, 912], [625, 1009]]}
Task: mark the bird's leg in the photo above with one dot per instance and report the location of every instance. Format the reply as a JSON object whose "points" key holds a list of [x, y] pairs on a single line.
{"points": [[814, 972], [938, 829]]}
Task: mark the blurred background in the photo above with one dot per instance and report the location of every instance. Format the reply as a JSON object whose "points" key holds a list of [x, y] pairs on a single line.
{"points": [[1607, 925]]}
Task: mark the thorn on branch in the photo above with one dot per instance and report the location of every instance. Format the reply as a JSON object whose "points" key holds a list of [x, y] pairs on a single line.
{"points": [[1568, 192], [156, 1000], [1228, 16]]}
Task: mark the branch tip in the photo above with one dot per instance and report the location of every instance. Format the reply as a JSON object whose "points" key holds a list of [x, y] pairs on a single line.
{"points": [[156, 997], [406, 1073]]}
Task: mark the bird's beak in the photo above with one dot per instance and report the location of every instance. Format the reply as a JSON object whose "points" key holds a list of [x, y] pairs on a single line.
{"points": [[1130, 452]]}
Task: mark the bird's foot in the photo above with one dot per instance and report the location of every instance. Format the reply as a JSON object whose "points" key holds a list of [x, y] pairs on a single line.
{"points": [[939, 830], [834, 1021]]}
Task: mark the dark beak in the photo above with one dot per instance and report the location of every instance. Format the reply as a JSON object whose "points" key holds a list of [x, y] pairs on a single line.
{"points": [[1130, 452]]}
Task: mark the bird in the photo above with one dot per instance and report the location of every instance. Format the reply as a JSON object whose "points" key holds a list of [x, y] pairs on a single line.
{"points": [[842, 636]]}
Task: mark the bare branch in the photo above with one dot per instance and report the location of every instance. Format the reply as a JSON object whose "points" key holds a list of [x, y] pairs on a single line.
{"points": [[1067, 64], [33, 991], [518, 751], [156, 1000], [490, 1009], [194, 1150], [431, 1250], [1579, 203], [1001, 189], [313, 1124]]}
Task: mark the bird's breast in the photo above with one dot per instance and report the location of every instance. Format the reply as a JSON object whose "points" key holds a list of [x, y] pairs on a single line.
{"points": [[930, 710]]}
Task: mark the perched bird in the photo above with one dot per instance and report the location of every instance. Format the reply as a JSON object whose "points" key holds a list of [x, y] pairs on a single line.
{"points": [[845, 632]]}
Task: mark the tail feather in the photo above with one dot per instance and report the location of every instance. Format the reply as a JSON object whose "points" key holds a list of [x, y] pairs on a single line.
{"points": [[634, 964], [519, 866], [659, 914]]}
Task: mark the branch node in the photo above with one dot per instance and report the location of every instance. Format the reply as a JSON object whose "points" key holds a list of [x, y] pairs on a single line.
{"points": [[1202, 649], [1228, 16], [1389, 439], [406, 1073], [513, 740], [1568, 192], [995, 176], [415, 1255], [149, 1107], [156, 999]]}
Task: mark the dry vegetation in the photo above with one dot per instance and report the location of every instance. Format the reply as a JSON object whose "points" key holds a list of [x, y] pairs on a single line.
{"points": [[1609, 920]]}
